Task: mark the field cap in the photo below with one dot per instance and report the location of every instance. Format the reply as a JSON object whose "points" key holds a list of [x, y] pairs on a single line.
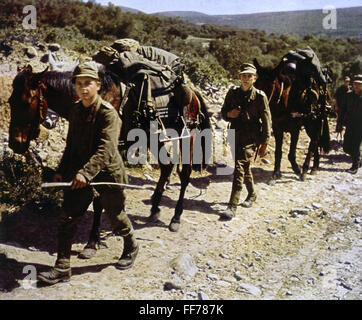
{"points": [[346, 78], [86, 69], [358, 78], [247, 68]]}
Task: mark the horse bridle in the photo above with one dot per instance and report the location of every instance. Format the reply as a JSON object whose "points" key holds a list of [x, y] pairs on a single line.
{"points": [[41, 107]]}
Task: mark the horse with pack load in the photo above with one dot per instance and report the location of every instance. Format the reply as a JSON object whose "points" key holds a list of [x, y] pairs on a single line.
{"points": [[298, 97], [143, 91]]}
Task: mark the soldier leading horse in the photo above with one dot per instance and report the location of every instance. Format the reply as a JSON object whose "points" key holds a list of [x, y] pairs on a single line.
{"points": [[34, 92]]}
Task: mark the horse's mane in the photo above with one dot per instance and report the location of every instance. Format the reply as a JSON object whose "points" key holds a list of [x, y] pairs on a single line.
{"points": [[61, 81], [108, 79]]}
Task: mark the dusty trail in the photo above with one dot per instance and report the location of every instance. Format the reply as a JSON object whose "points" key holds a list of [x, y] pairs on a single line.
{"points": [[301, 240]]}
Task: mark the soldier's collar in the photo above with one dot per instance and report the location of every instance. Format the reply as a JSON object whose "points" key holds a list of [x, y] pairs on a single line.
{"points": [[90, 112], [251, 93]]}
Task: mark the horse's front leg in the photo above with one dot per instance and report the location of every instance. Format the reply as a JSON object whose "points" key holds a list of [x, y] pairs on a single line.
{"points": [[185, 179], [94, 238], [312, 150], [294, 137], [307, 161], [278, 135], [160, 188], [316, 157]]}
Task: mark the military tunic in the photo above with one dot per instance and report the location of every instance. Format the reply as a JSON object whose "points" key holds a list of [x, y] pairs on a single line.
{"points": [[341, 97], [92, 150], [252, 128], [352, 120]]}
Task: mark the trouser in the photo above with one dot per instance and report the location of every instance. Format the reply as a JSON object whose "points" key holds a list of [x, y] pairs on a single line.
{"points": [[242, 175], [352, 144], [75, 205]]}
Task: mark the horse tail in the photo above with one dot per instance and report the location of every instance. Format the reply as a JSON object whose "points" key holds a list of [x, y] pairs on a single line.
{"points": [[204, 124], [325, 139]]}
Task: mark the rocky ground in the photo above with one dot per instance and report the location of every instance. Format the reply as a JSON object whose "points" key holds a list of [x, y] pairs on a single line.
{"points": [[301, 240]]}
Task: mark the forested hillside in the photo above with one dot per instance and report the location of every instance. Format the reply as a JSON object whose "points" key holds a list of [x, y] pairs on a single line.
{"points": [[212, 53], [303, 22]]}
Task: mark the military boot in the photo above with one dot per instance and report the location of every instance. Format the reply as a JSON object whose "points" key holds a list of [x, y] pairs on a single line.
{"points": [[55, 275], [353, 169], [129, 254], [228, 213], [249, 201]]}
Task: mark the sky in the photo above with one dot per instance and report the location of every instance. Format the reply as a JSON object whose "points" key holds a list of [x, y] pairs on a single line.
{"points": [[230, 6]]}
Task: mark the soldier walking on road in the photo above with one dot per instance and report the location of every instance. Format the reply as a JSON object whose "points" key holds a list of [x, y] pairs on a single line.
{"points": [[247, 109], [352, 120], [91, 154], [341, 98]]}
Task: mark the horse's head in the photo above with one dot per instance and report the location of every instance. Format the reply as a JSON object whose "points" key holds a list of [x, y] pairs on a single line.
{"points": [[274, 82], [28, 108], [265, 79], [309, 99]]}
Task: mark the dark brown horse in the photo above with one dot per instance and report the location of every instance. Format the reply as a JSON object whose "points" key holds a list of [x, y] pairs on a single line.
{"points": [[295, 101], [33, 93]]}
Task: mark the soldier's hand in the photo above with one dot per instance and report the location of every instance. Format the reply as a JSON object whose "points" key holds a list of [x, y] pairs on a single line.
{"points": [[79, 181], [263, 150], [234, 113], [57, 177]]}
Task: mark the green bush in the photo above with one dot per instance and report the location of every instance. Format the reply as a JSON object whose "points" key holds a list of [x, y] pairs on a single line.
{"points": [[20, 182]]}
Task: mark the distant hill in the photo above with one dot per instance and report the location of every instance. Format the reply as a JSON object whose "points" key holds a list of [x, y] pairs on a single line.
{"points": [[126, 9], [349, 21], [183, 14]]}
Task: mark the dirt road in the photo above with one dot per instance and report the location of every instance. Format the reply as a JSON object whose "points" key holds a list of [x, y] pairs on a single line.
{"points": [[301, 240]]}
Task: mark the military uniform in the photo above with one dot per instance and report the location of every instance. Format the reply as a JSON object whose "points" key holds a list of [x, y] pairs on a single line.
{"points": [[352, 119], [92, 151], [341, 98], [252, 128]]}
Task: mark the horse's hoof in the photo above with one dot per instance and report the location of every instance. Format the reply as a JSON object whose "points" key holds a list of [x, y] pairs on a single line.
{"points": [[277, 175], [87, 253], [174, 226], [314, 171], [303, 176], [296, 170], [154, 217]]}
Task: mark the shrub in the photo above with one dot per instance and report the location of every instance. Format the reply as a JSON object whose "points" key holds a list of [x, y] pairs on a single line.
{"points": [[20, 182]]}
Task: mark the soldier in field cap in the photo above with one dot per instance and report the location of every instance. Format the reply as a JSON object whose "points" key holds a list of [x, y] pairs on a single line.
{"points": [[340, 106], [352, 120], [91, 154], [247, 109]]}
